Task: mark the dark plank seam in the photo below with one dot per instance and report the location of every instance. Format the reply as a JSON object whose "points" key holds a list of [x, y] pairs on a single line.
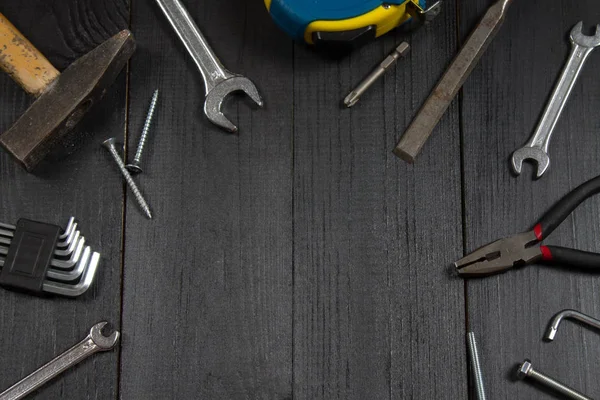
{"points": [[124, 212], [463, 197], [293, 188]]}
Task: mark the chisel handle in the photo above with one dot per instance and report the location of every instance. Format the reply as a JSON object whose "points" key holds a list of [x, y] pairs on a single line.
{"points": [[22, 61]]}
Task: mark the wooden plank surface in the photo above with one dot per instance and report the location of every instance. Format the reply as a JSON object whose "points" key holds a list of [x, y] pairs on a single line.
{"points": [[208, 282], [375, 313], [300, 259], [86, 185], [501, 105]]}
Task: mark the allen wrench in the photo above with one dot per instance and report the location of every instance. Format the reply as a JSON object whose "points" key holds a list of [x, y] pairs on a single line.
{"points": [[66, 242], [526, 370], [66, 275], [70, 228], [58, 252], [57, 263], [569, 314]]}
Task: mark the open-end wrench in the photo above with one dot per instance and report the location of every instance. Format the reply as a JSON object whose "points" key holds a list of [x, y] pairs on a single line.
{"points": [[219, 82], [93, 343], [537, 147]]}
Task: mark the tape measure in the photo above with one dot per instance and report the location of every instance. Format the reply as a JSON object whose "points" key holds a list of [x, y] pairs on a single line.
{"points": [[346, 23]]}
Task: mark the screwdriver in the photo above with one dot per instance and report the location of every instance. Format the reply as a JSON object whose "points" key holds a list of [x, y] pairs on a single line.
{"points": [[386, 64], [439, 100]]}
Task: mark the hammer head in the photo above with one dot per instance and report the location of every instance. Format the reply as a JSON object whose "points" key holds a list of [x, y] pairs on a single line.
{"points": [[43, 130]]}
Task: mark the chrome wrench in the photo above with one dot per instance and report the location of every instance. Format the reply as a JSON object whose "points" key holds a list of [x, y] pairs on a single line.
{"points": [[93, 343], [219, 82], [537, 147]]}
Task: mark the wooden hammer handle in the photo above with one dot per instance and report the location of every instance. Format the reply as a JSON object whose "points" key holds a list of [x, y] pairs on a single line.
{"points": [[23, 62]]}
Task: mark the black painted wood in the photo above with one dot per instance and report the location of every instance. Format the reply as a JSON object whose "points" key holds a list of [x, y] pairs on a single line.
{"points": [[300, 258], [375, 313], [208, 289], [501, 105], [86, 185]]}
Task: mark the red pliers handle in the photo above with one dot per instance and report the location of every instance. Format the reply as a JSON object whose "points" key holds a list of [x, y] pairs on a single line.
{"points": [[555, 216], [520, 249]]}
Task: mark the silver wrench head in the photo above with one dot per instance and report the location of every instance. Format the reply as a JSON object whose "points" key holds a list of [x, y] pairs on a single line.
{"points": [[103, 342], [531, 153], [216, 97], [579, 38]]}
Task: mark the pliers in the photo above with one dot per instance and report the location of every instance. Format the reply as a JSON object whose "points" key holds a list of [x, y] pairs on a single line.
{"points": [[523, 248]]}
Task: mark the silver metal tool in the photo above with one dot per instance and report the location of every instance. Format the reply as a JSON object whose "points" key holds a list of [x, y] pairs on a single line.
{"points": [[76, 290], [135, 166], [57, 262], [400, 51], [455, 76], [62, 248], [526, 371], [476, 366], [73, 266], [71, 225], [536, 148], [109, 144], [219, 82], [93, 343], [73, 245], [65, 237], [569, 314], [66, 275], [86, 271]]}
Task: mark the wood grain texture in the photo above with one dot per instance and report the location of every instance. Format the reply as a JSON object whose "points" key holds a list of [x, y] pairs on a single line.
{"points": [[502, 102], [301, 259], [208, 283], [86, 186], [376, 315]]}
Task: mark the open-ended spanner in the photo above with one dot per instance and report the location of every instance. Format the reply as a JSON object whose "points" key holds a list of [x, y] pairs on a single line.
{"points": [[93, 343], [219, 82], [537, 147]]}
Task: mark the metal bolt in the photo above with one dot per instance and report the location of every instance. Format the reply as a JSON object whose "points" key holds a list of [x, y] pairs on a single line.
{"points": [[134, 166], [476, 366], [527, 371], [110, 145]]}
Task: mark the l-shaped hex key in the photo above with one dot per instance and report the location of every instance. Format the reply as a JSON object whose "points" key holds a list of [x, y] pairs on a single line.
{"points": [[569, 314]]}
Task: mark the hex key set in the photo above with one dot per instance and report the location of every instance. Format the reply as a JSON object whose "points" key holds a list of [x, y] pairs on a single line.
{"points": [[41, 258]]}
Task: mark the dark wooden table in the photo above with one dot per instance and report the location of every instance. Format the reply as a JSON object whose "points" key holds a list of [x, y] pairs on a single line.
{"points": [[301, 259]]}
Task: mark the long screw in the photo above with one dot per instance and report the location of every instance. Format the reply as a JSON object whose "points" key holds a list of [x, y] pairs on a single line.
{"points": [[476, 366], [527, 371], [110, 146], [135, 166]]}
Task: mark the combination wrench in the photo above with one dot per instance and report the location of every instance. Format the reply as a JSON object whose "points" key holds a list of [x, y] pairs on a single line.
{"points": [[93, 343], [219, 81], [537, 147]]}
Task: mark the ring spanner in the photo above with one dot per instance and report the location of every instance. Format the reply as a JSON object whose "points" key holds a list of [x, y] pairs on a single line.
{"points": [[219, 81], [537, 147], [93, 343]]}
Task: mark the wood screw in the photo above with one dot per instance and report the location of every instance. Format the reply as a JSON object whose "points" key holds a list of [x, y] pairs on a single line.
{"points": [[109, 144], [135, 166]]}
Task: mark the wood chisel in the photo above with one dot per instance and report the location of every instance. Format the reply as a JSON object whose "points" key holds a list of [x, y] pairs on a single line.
{"points": [[346, 24], [446, 90]]}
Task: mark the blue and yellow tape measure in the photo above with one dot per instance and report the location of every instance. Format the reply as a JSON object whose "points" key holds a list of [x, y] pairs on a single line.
{"points": [[345, 22]]}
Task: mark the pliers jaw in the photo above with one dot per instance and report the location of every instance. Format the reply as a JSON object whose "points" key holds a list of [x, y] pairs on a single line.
{"points": [[500, 256]]}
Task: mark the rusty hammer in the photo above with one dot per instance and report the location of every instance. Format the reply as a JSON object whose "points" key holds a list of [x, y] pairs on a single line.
{"points": [[43, 132]]}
